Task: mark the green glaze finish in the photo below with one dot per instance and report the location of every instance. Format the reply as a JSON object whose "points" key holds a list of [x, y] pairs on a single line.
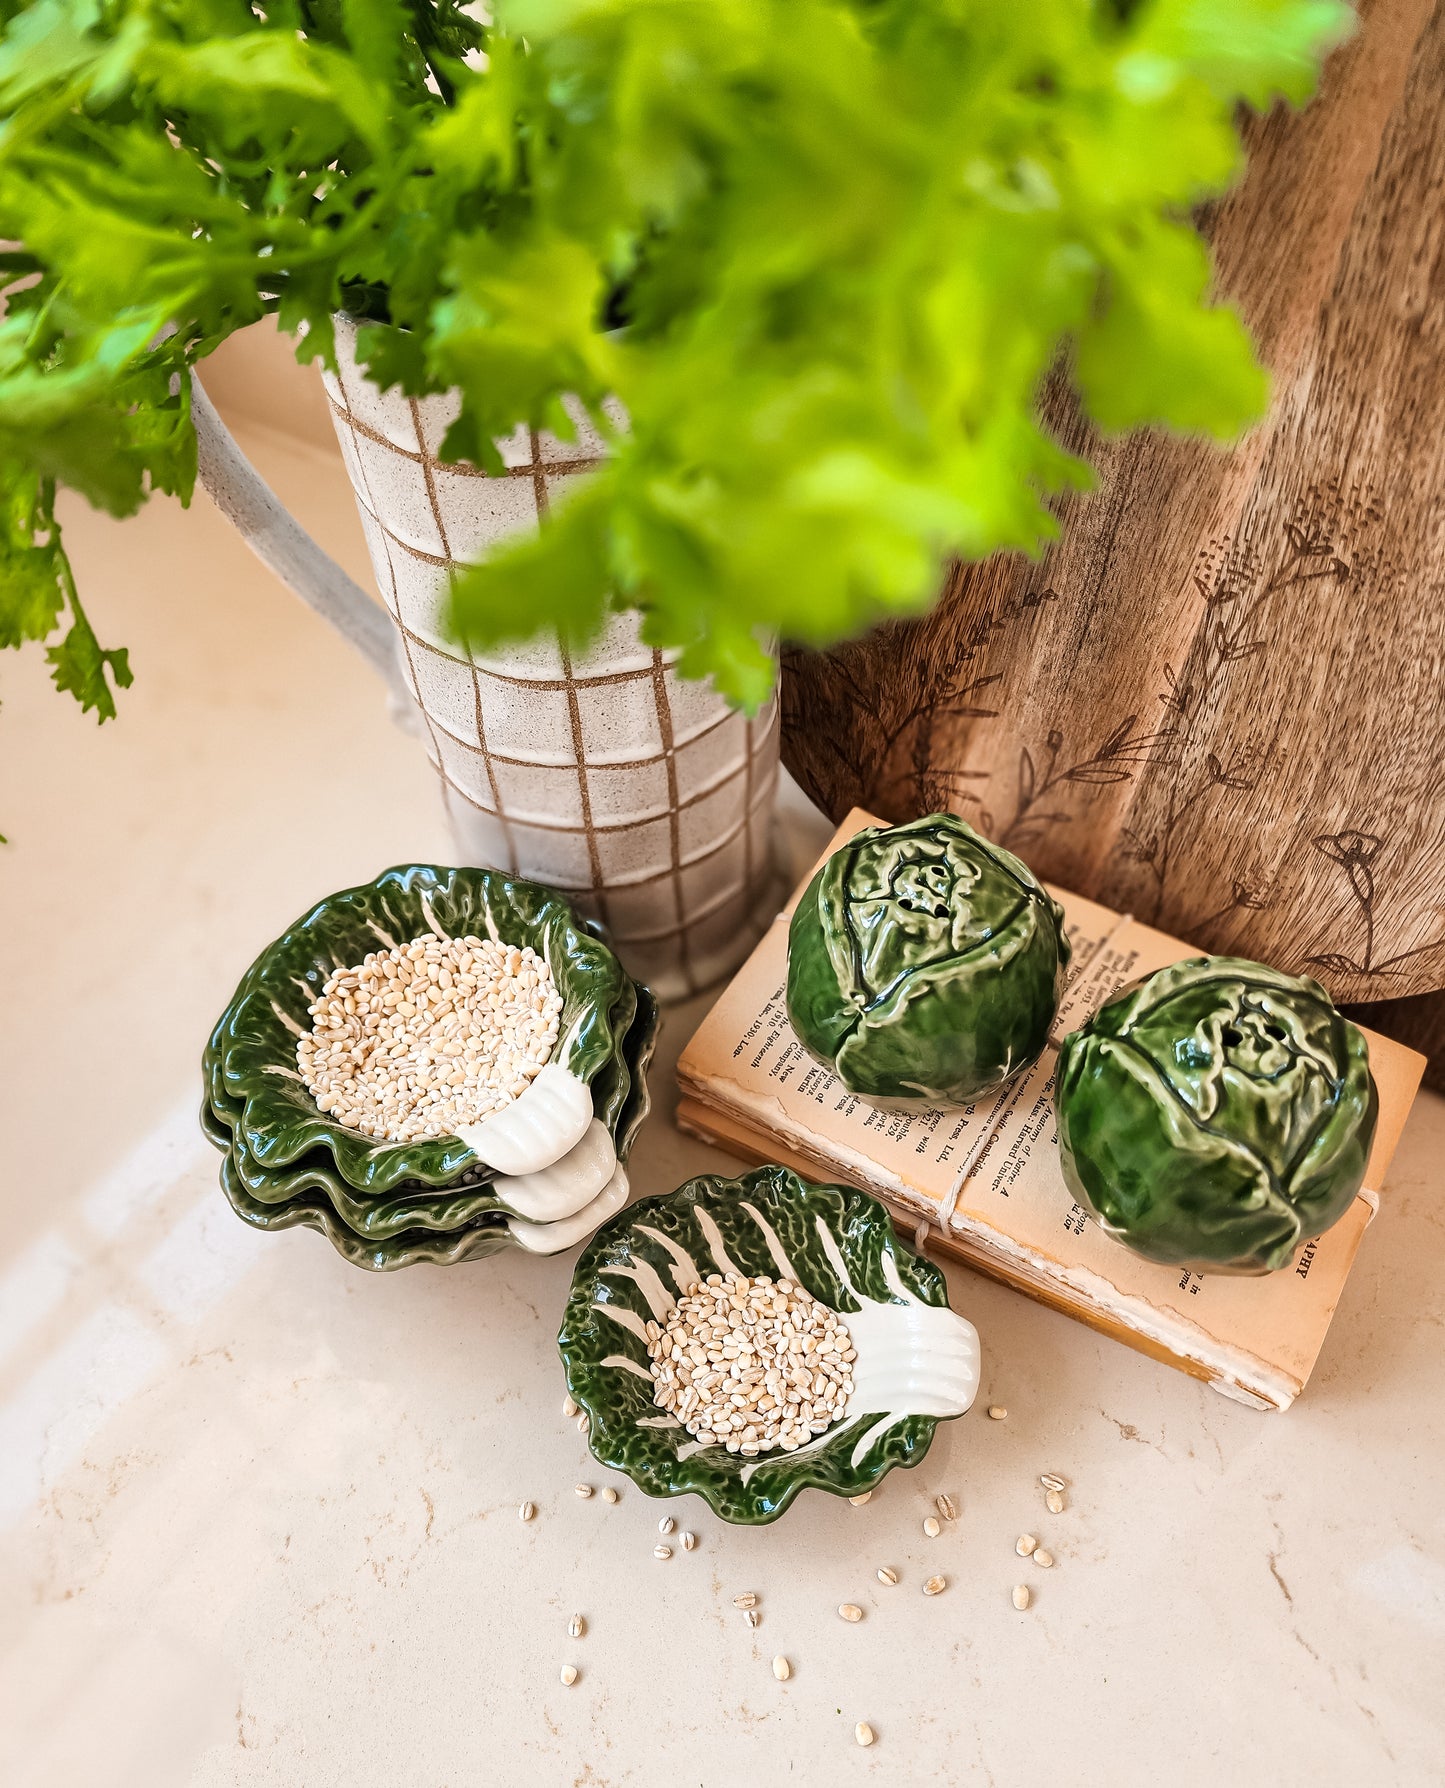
{"points": [[255, 1040], [1216, 1115], [637, 1051], [310, 1200], [622, 1415], [487, 1236], [925, 964]]}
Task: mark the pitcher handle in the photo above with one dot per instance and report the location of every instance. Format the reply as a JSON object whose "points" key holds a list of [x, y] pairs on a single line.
{"points": [[282, 545]]}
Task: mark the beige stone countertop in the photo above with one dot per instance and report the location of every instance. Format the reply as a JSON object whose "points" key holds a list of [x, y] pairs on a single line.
{"points": [[258, 1509]]}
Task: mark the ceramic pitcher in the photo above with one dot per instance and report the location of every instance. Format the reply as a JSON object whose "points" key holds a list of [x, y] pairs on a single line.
{"points": [[643, 795]]}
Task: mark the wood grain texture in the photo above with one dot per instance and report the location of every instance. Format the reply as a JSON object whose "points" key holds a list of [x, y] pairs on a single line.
{"points": [[1219, 700]]}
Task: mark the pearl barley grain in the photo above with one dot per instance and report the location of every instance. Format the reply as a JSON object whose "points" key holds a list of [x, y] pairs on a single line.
{"points": [[782, 1669], [864, 1733], [931, 1527], [423, 1038], [752, 1364], [850, 1611], [1021, 1596], [569, 1674]]}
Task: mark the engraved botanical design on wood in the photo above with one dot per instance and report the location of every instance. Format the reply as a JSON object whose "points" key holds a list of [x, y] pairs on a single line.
{"points": [[1355, 852], [1237, 584], [876, 735], [1115, 760], [1270, 621], [1245, 896], [869, 732]]}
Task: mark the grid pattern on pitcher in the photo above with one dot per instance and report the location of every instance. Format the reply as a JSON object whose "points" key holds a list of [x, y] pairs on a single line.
{"points": [[501, 750]]}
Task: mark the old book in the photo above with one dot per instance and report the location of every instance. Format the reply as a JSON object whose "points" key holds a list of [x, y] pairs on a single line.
{"points": [[983, 1183]]}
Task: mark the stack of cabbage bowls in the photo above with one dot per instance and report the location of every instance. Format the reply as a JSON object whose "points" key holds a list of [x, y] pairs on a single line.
{"points": [[540, 1174]]}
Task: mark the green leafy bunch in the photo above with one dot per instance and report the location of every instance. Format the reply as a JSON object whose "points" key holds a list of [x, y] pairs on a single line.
{"points": [[822, 252]]}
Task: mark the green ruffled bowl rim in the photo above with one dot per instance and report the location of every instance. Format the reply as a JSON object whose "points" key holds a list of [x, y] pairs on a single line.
{"points": [[410, 1248], [618, 1402], [254, 1041], [486, 1233], [412, 1205]]}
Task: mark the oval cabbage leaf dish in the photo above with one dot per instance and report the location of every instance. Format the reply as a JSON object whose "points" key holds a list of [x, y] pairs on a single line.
{"points": [[925, 964], [1216, 1114]]}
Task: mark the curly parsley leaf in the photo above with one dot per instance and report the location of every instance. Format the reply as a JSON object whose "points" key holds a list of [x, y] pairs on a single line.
{"points": [[821, 252], [86, 670]]}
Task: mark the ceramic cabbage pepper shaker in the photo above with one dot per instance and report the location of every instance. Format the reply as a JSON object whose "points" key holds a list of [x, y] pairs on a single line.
{"points": [[925, 964], [1216, 1114]]}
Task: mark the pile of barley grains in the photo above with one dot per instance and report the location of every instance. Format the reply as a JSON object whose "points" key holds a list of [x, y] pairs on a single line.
{"points": [[753, 1364], [429, 1035]]}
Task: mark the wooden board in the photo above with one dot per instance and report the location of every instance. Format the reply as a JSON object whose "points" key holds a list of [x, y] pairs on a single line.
{"points": [[1219, 701]]}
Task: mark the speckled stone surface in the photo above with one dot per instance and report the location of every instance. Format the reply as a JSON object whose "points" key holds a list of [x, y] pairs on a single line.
{"points": [[258, 1510]]}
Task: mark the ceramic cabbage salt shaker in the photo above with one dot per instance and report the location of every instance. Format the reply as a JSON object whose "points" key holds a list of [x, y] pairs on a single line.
{"points": [[1216, 1114], [925, 965]]}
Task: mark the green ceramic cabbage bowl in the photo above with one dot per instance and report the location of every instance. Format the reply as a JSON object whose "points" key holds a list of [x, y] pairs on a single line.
{"points": [[413, 1204], [408, 1247], [254, 1043], [411, 1224], [917, 1364]]}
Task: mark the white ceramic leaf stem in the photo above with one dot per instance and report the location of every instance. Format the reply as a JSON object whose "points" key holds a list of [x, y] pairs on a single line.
{"points": [[562, 1188], [914, 1359], [552, 1238], [540, 1125]]}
